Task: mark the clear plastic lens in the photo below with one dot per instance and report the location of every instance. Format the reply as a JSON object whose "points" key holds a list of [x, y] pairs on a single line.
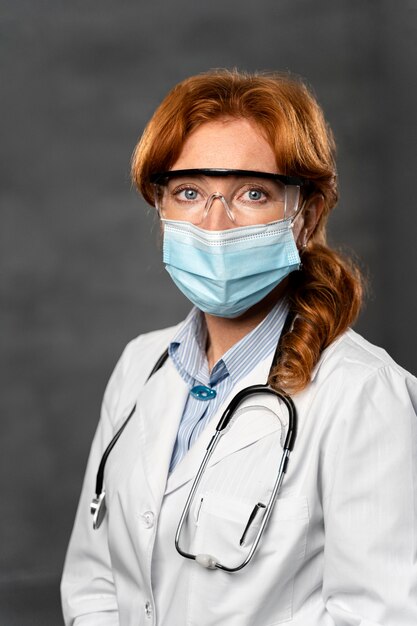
{"points": [[247, 200]]}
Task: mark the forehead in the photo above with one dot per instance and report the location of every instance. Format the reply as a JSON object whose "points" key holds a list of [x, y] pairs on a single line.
{"points": [[227, 143]]}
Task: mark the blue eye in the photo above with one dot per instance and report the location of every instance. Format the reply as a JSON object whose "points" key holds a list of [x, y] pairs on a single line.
{"points": [[185, 194], [255, 194], [190, 194]]}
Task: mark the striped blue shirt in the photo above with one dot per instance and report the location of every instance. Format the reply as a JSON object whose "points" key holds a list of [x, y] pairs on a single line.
{"points": [[188, 353]]}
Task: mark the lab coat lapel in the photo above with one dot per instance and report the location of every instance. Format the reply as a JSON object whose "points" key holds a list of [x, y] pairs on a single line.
{"points": [[246, 430], [160, 407]]}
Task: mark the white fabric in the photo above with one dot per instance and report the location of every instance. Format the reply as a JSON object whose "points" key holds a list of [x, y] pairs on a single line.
{"points": [[340, 549]]}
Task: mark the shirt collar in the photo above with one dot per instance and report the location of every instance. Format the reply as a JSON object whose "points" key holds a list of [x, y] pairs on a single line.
{"points": [[188, 348], [241, 358]]}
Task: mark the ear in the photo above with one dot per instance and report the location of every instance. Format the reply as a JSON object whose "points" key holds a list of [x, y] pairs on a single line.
{"points": [[311, 214]]}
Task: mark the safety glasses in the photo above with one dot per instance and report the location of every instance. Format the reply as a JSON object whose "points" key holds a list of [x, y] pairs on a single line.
{"points": [[248, 197]]}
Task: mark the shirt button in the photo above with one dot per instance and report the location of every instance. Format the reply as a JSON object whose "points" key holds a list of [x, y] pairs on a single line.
{"points": [[148, 609], [148, 519]]}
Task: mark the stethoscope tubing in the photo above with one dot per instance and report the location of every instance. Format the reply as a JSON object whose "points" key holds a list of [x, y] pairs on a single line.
{"points": [[98, 504], [221, 428]]}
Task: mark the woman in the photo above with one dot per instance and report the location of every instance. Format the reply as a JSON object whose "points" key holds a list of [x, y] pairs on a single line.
{"points": [[240, 168]]}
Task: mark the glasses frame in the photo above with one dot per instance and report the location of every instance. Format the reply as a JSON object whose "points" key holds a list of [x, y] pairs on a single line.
{"points": [[159, 178]]}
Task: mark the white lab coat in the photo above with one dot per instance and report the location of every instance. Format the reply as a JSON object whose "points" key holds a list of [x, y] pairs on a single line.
{"points": [[340, 548]]}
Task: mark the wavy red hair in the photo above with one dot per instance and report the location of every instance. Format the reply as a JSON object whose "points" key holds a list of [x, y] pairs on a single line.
{"points": [[326, 295]]}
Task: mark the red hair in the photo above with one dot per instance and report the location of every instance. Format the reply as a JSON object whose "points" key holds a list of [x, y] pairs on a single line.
{"points": [[326, 295]]}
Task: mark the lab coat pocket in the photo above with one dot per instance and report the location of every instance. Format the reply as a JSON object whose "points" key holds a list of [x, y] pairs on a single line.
{"points": [[262, 592]]}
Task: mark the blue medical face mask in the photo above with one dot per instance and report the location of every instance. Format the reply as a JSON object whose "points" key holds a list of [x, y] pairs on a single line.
{"points": [[226, 272]]}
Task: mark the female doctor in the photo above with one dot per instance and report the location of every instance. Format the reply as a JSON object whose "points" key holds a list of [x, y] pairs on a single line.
{"points": [[240, 169]]}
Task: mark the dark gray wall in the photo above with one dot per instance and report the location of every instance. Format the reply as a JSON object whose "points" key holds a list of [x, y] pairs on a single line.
{"points": [[80, 264]]}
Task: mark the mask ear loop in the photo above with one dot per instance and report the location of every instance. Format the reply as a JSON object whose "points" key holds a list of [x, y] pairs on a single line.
{"points": [[305, 240], [304, 243], [308, 231]]}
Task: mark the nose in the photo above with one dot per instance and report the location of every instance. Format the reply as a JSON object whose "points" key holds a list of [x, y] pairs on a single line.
{"points": [[217, 214]]}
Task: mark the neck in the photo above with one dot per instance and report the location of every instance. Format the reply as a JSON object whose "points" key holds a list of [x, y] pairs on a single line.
{"points": [[223, 333]]}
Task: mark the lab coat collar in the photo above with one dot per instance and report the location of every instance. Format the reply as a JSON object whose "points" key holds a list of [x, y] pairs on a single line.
{"points": [[160, 407]]}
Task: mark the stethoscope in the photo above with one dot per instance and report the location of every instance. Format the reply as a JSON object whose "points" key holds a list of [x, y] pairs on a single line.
{"points": [[98, 504]]}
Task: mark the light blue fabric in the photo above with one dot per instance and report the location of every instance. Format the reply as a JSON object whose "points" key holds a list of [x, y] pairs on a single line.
{"points": [[188, 353], [226, 272]]}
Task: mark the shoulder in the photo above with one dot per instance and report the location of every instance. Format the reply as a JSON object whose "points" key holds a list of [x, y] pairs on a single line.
{"points": [[353, 357], [143, 351], [360, 403], [133, 369], [355, 376]]}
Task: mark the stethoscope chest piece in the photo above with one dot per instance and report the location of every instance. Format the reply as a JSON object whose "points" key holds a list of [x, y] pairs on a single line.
{"points": [[98, 509], [206, 560]]}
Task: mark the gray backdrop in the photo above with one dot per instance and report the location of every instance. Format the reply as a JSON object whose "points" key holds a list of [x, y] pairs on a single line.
{"points": [[80, 260]]}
